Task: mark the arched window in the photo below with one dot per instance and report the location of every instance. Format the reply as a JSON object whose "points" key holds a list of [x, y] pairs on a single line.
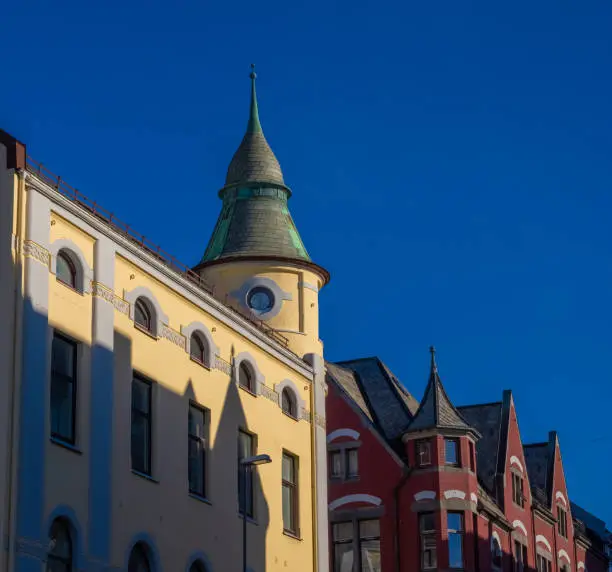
{"points": [[65, 270], [197, 349], [288, 403], [142, 315], [197, 566], [59, 558], [496, 553], [139, 562], [245, 376]]}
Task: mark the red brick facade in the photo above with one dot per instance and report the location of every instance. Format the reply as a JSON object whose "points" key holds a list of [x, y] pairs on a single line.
{"points": [[472, 492]]}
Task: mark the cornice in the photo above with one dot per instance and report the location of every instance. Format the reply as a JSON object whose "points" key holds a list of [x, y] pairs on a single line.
{"points": [[208, 303]]}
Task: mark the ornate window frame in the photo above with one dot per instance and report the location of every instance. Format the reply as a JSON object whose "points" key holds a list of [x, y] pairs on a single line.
{"points": [[158, 319], [200, 329], [84, 273], [300, 403], [242, 296], [259, 377]]}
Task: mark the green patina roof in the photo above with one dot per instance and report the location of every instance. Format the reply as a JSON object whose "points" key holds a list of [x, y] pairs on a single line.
{"points": [[255, 218]]}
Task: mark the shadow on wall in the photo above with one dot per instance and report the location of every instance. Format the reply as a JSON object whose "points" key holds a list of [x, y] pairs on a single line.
{"points": [[85, 503]]}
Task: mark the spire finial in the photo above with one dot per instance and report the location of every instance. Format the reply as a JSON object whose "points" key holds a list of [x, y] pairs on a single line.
{"points": [[254, 125], [434, 366]]}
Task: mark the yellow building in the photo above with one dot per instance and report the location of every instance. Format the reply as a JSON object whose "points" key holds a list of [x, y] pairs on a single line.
{"points": [[132, 387]]}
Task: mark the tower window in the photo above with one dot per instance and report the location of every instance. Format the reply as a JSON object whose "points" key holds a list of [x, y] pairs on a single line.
{"points": [[451, 451], [423, 453], [260, 299], [427, 529], [455, 539]]}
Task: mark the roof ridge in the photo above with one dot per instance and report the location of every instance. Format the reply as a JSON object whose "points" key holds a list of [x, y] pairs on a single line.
{"points": [[479, 405]]}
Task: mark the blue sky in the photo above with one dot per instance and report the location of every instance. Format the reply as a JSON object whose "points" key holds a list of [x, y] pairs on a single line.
{"points": [[450, 162]]}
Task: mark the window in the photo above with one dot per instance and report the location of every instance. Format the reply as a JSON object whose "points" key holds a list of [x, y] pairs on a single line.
{"points": [[454, 524], [197, 349], [142, 315], [451, 451], [260, 299], [562, 522], [139, 562], [246, 448], [59, 558], [65, 270], [423, 453], [543, 564], [362, 554], [427, 530], [245, 376], [63, 388], [141, 425], [520, 557], [472, 457], [517, 489], [344, 463], [288, 403], [197, 567], [290, 494], [197, 450], [496, 553]]}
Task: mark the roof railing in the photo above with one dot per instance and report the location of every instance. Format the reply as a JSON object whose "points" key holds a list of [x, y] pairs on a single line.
{"points": [[153, 249]]}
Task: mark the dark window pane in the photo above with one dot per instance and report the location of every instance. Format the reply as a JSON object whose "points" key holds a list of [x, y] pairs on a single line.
{"points": [[138, 560], [343, 531], [197, 349], [141, 395], [288, 403], [288, 516], [370, 556], [455, 550], [196, 421], [245, 376], [142, 315], [141, 426], [343, 558], [423, 452], [63, 388], [59, 557], [288, 469], [335, 464], [451, 451], [427, 522], [369, 529], [352, 463], [245, 474]]}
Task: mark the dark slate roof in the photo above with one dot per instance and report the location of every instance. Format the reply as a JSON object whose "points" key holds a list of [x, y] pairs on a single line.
{"points": [[487, 420], [436, 409], [389, 406], [378, 393], [592, 523], [254, 161], [539, 459]]}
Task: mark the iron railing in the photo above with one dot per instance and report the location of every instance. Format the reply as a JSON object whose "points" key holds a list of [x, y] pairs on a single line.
{"points": [[142, 241]]}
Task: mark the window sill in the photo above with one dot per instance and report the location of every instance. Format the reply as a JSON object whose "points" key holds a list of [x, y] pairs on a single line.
{"points": [[292, 417], [292, 535], [247, 390], [250, 519], [200, 363], [144, 476], [200, 498], [65, 445], [145, 332], [71, 288]]}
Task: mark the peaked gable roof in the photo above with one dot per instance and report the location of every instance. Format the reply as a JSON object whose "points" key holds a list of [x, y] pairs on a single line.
{"points": [[377, 392], [540, 460], [436, 409]]}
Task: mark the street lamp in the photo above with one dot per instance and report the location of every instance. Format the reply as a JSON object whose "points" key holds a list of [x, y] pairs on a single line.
{"points": [[247, 464]]}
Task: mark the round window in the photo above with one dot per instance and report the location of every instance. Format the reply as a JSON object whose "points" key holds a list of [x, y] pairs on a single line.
{"points": [[260, 299]]}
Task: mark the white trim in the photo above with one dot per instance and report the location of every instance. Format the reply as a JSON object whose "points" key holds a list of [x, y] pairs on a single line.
{"points": [[560, 496], [424, 495], [454, 494], [495, 535], [515, 461], [544, 541], [259, 377], [160, 271], [346, 432], [581, 565], [563, 554], [473, 497], [204, 332], [159, 317], [348, 499], [518, 524], [83, 270], [299, 401]]}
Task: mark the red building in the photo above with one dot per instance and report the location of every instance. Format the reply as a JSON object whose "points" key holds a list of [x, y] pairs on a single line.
{"points": [[432, 486]]}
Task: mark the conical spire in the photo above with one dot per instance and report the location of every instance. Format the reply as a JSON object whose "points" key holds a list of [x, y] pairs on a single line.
{"points": [[254, 161], [436, 409]]}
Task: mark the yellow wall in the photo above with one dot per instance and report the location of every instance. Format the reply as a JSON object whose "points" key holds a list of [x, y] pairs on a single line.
{"points": [[162, 507]]}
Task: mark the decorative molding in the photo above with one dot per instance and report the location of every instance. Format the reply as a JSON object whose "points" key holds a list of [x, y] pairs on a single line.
{"points": [[34, 250], [581, 565], [200, 329], [560, 496], [425, 495], [563, 554], [159, 317], [308, 285], [515, 461], [346, 432], [270, 394], [99, 290], [172, 335], [518, 524], [544, 541], [299, 401], [306, 416], [84, 273], [454, 494], [222, 365], [259, 377], [319, 420], [473, 497], [349, 499]]}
